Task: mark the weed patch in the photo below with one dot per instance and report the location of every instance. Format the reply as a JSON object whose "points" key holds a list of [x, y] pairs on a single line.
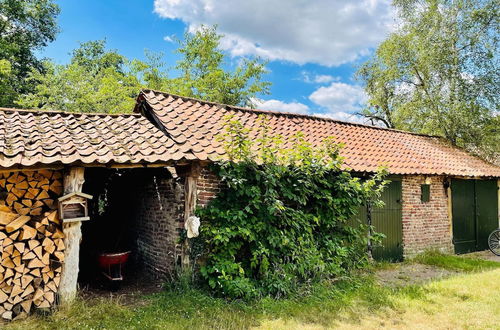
{"points": [[458, 263]]}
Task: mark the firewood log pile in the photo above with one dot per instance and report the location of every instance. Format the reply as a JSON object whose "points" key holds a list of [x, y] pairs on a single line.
{"points": [[31, 241]]}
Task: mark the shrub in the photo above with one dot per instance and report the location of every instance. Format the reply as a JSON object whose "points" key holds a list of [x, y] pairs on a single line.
{"points": [[281, 219]]}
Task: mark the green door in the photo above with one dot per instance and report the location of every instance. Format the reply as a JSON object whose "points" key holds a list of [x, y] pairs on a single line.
{"points": [[475, 213], [486, 211], [388, 221]]}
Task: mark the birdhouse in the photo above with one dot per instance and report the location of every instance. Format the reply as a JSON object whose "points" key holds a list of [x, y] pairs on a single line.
{"points": [[74, 207]]}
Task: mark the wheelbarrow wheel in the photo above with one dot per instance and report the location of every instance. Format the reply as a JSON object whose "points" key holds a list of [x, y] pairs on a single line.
{"points": [[494, 242]]}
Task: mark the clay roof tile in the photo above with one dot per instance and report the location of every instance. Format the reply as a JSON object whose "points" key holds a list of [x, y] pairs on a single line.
{"points": [[365, 147]]}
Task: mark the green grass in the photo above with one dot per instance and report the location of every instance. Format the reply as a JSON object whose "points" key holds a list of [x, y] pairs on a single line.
{"points": [[457, 263], [349, 302], [320, 304]]}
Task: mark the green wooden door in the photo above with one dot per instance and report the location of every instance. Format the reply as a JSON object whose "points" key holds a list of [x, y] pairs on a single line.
{"points": [[475, 213], [388, 221], [486, 211], [464, 223]]}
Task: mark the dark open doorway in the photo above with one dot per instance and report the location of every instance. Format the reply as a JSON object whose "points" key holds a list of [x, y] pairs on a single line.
{"points": [[115, 225]]}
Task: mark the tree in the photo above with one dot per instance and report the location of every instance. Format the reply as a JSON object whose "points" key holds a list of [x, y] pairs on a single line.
{"points": [[95, 80], [25, 27], [438, 73], [99, 80], [204, 72]]}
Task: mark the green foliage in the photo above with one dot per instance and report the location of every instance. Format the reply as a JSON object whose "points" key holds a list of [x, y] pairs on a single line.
{"points": [[5, 83], [101, 80], [457, 263], [438, 73], [96, 80], [203, 71], [25, 27], [281, 220], [188, 308]]}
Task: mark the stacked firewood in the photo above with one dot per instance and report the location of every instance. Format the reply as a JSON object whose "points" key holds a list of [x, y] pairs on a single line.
{"points": [[31, 241]]}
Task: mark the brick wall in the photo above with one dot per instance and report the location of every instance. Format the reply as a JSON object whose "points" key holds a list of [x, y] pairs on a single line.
{"points": [[425, 225], [158, 224], [208, 186], [160, 219]]}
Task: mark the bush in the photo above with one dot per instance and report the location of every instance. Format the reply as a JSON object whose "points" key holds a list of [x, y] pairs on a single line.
{"points": [[281, 219]]}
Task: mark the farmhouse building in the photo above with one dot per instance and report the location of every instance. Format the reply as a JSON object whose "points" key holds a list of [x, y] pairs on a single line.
{"points": [[144, 174]]}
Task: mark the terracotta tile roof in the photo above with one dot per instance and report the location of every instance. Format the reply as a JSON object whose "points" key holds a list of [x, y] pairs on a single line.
{"points": [[30, 137], [194, 124]]}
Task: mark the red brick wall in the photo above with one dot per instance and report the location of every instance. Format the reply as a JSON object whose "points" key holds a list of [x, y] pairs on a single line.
{"points": [[425, 225], [208, 186]]}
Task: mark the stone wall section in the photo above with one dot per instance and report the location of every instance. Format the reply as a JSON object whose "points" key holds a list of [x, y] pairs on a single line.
{"points": [[426, 225]]}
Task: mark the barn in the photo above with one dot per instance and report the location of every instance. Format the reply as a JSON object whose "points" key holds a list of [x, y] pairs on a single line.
{"points": [[73, 185]]}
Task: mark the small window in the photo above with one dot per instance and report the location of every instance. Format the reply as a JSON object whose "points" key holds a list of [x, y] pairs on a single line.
{"points": [[425, 190]]}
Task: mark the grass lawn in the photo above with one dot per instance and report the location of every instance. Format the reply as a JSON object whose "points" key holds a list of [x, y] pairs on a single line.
{"points": [[467, 300]]}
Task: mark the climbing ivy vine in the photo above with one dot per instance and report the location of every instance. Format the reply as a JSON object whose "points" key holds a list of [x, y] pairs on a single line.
{"points": [[281, 220]]}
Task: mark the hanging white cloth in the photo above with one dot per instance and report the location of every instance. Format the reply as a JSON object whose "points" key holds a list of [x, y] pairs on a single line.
{"points": [[192, 226]]}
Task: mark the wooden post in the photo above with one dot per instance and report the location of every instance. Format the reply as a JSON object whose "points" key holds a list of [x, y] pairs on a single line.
{"points": [[190, 198], [73, 182], [370, 229]]}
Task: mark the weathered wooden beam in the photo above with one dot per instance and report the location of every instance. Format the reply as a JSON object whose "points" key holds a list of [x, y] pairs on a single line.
{"points": [[191, 175], [73, 182]]}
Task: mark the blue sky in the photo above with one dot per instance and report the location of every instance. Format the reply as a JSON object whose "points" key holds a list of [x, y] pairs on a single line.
{"points": [[313, 46]]}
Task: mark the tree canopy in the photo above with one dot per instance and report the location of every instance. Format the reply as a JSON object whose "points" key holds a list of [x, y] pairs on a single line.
{"points": [[95, 80], [25, 27], [438, 73], [101, 80]]}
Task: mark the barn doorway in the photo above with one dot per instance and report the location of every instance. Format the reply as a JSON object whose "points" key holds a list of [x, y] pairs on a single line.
{"points": [[115, 225], [388, 221], [474, 213]]}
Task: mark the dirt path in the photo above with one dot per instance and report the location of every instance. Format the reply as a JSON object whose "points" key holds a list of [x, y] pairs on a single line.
{"points": [[405, 274], [486, 255]]}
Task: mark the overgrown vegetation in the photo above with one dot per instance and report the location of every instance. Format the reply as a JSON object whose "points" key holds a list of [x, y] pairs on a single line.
{"points": [[354, 302], [281, 220], [458, 263]]}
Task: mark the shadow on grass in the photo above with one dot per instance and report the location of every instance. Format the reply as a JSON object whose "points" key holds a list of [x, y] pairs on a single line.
{"points": [[323, 304], [351, 298]]}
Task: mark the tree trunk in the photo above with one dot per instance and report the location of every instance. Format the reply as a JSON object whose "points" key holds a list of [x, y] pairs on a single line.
{"points": [[73, 182]]}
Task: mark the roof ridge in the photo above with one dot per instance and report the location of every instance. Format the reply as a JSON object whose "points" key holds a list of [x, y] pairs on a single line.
{"points": [[291, 114], [41, 111]]}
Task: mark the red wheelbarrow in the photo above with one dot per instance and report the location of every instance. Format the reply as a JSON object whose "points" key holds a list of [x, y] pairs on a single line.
{"points": [[112, 263]]}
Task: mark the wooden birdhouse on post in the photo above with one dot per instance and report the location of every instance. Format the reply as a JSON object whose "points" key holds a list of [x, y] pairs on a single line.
{"points": [[74, 207]]}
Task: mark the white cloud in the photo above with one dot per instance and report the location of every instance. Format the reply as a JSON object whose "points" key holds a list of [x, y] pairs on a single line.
{"points": [[339, 97], [327, 32], [310, 78], [344, 116], [169, 38], [324, 78], [277, 105], [338, 100]]}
